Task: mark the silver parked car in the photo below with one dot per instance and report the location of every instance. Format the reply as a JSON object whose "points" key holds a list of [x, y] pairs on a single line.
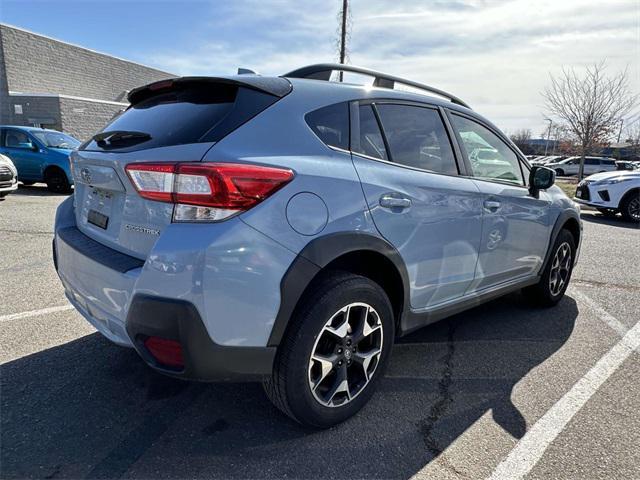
{"points": [[571, 165], [291, 228]]}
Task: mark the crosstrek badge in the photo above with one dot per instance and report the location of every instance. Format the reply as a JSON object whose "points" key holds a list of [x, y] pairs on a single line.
{"points": [[139, 229]]}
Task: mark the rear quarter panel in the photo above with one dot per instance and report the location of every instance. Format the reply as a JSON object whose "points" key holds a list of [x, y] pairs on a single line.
{"points": [[281, 137]]}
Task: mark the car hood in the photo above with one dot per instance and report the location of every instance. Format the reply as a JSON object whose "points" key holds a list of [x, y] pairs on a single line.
{"points": [[65, 151], [598, 177], [4, 160]]}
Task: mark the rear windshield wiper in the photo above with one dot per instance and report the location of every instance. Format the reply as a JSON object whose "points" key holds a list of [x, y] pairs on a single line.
{"points": [[120, 136]]}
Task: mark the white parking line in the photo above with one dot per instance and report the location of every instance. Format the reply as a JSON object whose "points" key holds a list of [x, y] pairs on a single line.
{"points": [[605, 316], [34, 313], [531, 447]]}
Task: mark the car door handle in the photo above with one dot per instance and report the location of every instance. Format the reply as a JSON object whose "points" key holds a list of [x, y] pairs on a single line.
{"points": [[492, 205], [389, 200]]}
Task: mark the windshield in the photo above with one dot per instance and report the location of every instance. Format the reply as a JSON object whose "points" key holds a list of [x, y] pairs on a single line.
{"points": [[56, 139]]}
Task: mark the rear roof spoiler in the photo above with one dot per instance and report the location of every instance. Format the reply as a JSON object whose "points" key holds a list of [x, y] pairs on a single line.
{"points": [[276, 86]]}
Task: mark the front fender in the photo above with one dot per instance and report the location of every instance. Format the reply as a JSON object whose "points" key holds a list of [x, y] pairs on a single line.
{"points": [[564, 216]]}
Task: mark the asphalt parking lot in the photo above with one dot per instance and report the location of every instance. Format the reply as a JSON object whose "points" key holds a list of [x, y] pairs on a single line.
{"points": [[503, 390]]}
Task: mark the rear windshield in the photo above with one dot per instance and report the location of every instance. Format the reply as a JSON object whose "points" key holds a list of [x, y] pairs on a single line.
{"points": [[197, 114]]}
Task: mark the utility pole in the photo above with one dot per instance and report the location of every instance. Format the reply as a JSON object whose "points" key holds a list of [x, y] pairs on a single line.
{"points": [[546, 145], [620, 131], [343, 34]]}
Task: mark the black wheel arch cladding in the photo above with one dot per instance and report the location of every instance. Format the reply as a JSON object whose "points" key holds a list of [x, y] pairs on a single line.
{"points": [[319, 254]]}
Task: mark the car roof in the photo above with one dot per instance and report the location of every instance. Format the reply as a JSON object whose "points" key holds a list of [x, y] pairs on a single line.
{"points": [[359, 91], [319, 93], [30, 129], [311, 94]]}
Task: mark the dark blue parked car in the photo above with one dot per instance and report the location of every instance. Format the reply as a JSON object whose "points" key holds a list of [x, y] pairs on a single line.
{"points": [[40, 155]]}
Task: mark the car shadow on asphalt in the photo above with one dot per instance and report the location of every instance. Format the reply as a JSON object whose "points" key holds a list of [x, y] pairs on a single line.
{"points": [[37, 190], [90, 409], [614, 221]]}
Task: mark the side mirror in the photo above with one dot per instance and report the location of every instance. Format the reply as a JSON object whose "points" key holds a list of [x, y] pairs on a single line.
{"points": [[541, 178], [35, 147]]}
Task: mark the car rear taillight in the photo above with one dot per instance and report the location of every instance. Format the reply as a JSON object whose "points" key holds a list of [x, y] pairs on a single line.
{"points": [[207, 191], [166, 352]]}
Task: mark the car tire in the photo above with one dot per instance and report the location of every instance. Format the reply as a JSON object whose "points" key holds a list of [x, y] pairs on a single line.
{"points": [[3, 194], [559, 172], [630, 206], [312, 364], [57, 181], [607, 212], [557, 273]]}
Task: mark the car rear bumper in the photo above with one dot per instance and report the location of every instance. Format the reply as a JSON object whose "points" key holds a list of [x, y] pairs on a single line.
{"points": [[97, 284], [216, 294], [204, 360]]}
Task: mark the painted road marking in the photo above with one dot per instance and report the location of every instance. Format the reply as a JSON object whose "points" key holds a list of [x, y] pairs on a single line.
{"points": [[532, 446], [605, 316], [34, 313]]}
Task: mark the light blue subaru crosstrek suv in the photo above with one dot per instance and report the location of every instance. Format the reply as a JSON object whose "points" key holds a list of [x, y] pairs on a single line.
{"points": [[291, 228]]}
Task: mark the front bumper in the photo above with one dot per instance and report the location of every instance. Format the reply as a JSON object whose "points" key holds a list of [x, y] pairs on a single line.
{"points": [[584, 202], [10, 186], [593, 195]]}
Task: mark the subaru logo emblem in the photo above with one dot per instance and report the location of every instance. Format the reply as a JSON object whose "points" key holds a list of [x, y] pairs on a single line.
{"points": [[85, 174]]}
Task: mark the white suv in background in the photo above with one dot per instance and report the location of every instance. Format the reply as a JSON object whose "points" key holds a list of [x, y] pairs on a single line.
{"points": [[612, 192], [571, 165], [8, 176]]}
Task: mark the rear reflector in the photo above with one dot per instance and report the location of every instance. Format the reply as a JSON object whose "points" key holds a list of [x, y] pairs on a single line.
{"points": [[216, 190], [166, 352]]}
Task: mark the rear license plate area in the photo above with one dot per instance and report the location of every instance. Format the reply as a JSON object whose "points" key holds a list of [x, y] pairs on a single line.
{"points": [[98, 219]]}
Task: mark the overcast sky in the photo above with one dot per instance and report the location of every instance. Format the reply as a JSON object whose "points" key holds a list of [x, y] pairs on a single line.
{"points": [[496, 55]]}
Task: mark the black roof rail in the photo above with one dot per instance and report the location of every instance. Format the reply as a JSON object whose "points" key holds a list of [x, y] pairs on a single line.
{"points": [[322, 71]]}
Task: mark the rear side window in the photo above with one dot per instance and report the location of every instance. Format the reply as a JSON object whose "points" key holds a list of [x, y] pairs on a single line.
{"points": [[417, 138], [371, 142], [591, 161], [189, 114], [331, 125]]}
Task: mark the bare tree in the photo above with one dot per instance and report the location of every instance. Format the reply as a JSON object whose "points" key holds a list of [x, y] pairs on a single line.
{"points": [[632, 137], [632, 134], [590, 105], [521, 139]]}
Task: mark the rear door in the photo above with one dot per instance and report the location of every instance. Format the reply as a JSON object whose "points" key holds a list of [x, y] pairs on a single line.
{"points": [[418, 200], [515, 226], [168, 122]]}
